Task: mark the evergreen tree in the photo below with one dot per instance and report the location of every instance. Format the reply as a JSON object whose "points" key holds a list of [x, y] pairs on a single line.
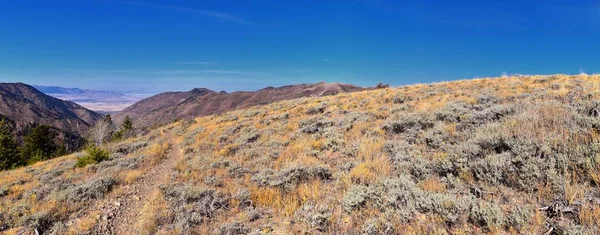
{"points": [[125, 131], [127, 124], [39, 144], [9, 157]]}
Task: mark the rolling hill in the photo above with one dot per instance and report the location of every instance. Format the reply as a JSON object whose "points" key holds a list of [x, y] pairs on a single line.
{"points": [[510, 155]]}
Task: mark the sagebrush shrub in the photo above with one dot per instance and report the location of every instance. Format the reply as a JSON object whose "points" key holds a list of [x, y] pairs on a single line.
{"points": [[453, 112], [320, 108], [486, 214], [356, 197], [493, 169], [317, 217], [519, 216], [93, 189], [234, 228], [289, 178], [315, 125], [405, 122]]}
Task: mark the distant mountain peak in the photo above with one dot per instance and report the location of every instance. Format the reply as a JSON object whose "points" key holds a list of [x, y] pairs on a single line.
{"points": [[267, 88], [201, 91]]}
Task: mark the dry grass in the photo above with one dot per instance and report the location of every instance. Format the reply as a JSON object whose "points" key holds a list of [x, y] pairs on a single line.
{"points": [[84, 225], [590, 215], [43, 189], [594, 170], [284, 203], [524, 154], [158, 152], [155, 209], [131, 176], [433, 185]]}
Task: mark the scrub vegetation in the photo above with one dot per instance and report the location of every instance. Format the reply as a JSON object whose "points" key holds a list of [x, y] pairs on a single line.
{"points": [[510, 155]]}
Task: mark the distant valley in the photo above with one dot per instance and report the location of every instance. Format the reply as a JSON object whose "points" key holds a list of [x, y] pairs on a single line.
{"points": [[101, 101]]}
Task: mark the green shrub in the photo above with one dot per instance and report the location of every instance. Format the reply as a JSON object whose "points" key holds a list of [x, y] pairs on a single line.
{"points": [[94, 155]]}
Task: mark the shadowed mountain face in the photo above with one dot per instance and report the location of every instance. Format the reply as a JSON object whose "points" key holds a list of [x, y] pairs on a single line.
{"points": [[24, 104], [170, 106]]}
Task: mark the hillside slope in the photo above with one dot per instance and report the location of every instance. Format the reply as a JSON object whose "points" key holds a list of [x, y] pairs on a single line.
{"points": [[511, 155], [24, 104], [167, 107]]}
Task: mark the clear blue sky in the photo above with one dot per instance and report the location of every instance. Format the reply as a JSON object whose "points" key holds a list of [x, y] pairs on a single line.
{"points": [[159, 45]]}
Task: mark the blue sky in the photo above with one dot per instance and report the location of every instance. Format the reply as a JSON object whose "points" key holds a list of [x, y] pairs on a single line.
{"points": [[160, 45]]}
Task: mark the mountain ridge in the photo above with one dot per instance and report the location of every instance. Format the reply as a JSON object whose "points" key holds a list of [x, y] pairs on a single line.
{"points": [[25, 104], [169, 106]]}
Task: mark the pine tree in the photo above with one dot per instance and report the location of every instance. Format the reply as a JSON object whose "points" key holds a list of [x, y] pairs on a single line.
{"points": [[9, 157], [39, 144], [126, 128], [127, 124]]}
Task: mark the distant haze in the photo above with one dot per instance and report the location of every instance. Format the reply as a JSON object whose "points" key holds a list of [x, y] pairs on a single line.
{"points": [[97, 100]]}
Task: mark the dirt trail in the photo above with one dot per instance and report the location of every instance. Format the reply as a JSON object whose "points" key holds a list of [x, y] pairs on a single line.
{"points": [[119, 215]]}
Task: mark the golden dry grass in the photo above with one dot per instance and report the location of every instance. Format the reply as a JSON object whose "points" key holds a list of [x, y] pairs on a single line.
{"points": [[361, 159]]}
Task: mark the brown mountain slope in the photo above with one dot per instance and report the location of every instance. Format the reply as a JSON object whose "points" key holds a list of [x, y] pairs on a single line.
{"points": [[24, 104], [170, 106]]}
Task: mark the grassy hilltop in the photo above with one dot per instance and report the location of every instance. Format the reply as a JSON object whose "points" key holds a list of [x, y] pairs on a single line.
{"points": [[497, 155]]}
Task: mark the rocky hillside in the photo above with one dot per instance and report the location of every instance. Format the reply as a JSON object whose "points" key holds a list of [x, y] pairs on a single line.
{"points": [[24, 104], [511, 155], [167, 107]]}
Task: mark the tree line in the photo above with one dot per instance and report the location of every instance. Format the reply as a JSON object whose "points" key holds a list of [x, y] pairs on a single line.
{"points": [[42, 142]]}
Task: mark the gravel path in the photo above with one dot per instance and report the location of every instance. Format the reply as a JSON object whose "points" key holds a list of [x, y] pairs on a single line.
{"points": [[119, 215]]}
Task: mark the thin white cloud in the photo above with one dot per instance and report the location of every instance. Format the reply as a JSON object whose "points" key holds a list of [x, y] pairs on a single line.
{"points": [[197, 62], [327, 61], [214, 14], [164, 72], [293, 70], [103, 70], [181, 72]]}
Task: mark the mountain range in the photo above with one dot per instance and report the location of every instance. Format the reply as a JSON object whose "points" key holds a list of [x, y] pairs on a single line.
{"points": [[169, 106], [27, 104], [24, 105]]}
